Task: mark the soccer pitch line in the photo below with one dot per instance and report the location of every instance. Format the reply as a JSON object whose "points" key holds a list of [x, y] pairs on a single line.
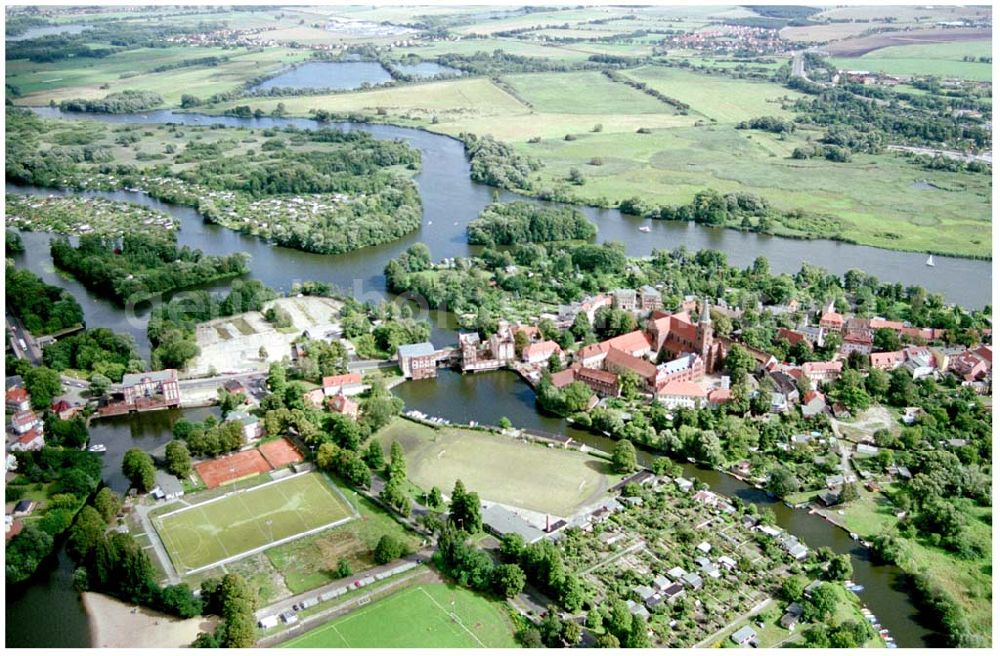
{"points": [[453, 616]]}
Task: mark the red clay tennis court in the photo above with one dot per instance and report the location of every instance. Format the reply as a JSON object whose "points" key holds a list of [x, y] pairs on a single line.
{"points": [[233, 467], [280, 453]]}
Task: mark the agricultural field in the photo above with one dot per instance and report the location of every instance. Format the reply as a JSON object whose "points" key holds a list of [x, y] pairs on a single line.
{"points": [[500, 469], [541, 19], [199, 536], [589, 92], [40, 83], [510, 46], [941, 59], [424, 616]]}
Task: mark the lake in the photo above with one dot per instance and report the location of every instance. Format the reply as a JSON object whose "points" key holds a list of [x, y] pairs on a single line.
{"points": [[48, 30]]}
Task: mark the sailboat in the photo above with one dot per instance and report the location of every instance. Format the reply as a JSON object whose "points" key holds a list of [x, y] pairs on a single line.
{"points": [[930, 260]]}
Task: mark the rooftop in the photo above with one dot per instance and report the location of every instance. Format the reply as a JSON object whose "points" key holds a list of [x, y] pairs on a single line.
{"points": [[416, 350], [162, 376]]}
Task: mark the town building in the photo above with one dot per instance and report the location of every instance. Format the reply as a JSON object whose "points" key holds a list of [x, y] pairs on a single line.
{"points": [[813, 404], [167, 486], [887, 360], [970, 365], [822, 372], [24, 421], [32, 440], [624, 299], [493, 353], [675, 335], [682, 394], [252, 428], [346, 384], [151, 390], [418, 361], [650, 299]]}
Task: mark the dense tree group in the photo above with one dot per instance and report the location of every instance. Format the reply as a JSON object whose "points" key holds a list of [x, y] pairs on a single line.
{"points": [[522, 222], [44, 309]]}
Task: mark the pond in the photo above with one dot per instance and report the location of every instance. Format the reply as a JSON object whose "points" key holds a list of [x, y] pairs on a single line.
{"points": [[328, 75], [49, 30], [427, 69]]}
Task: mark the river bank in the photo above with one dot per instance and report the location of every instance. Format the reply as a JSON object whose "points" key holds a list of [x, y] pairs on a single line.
{"points": [[116, 625]]}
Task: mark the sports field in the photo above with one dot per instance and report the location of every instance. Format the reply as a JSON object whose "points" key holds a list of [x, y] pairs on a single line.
{"points": [[247, 520], [500, 469], [424, 616]]}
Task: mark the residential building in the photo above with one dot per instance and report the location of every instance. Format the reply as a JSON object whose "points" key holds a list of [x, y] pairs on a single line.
{"points": [[920, 362], [650, 299], [886, 361], [252, 428], [151, 390], [234, 386], [814, 403], [32, 440], [856, 341], [18, 400], [744, 636], [624, 299], [344, 405], [822, 372], [831, 320], [619, 362], [314, 398], [418, 361], [167, 486], [24, 421], [540, 352], [346, 384], [970, 365]]}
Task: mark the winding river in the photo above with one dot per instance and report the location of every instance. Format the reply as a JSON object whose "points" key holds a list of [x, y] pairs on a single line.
{"points": [[450, 201]]}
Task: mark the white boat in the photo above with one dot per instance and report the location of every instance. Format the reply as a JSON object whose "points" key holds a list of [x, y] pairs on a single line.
{"points": [[930, 260], [97, 448], [645, 229]]}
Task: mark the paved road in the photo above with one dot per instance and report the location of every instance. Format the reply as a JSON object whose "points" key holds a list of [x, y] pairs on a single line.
{"points": [[17, 331], [143, 512]]}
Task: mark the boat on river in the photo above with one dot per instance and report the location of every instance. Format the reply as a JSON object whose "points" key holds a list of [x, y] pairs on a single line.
{"points": [[97, 448], [645, 229], [930, 260]]}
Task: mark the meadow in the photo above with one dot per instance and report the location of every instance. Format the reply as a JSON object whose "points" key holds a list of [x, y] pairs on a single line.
{"points": [[95, 78], [202, 535], [968, 582], [423, 616], [499, 468], [942, 59]]}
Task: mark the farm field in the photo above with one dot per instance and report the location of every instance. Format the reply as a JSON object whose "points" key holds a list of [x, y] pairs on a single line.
{"points": [[40, 83], [227, 526], [942, 59], [500, 469], [589, 92], [423, 616]]}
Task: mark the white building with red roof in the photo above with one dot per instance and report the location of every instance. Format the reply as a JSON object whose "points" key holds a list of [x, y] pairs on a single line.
{"points": [[347, 384], [682, 394]]}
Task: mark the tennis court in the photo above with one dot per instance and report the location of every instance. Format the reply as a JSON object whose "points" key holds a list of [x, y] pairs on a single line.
{"points": [[249, 520]]}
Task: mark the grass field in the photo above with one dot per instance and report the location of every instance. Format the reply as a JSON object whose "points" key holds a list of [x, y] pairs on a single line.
{"points": [[943, 59], [424, 616], [227, 526], [589, 92], [499, 468], [721, 98]]}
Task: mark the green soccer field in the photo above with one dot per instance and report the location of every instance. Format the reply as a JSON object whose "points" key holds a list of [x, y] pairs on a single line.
{"points": [[242, 521], [424, 616]]}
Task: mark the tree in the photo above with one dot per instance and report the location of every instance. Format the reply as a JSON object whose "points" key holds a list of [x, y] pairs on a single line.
{"points": [[99, 384], [505, 423], [388, 549], [107, 503], [43, 384], [343, 569], [792, 588], [179, 600], [822, 603], [375, 456], [877, 383], [782, 482], [464, 510], [139, 469], [178, 459], [397, 462], [849, 493], [623, 458], [839, 568], [86, 532], [631, 383], [435, 499], [508, 580]]}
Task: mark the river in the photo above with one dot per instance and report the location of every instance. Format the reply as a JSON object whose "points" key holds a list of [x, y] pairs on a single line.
{"points": [[30, 608], [486, 397], [450, 201]]}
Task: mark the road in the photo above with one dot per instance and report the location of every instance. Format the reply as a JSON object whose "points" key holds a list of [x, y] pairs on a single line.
{"points": [[17, 332]]}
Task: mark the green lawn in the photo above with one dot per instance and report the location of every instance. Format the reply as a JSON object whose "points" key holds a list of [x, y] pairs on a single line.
{"points": [[943, 59], [499, 468], [229, 525], [423, 616]]}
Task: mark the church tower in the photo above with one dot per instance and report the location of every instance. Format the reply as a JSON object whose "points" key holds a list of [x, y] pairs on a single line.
{"points": [[705, 339]]}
